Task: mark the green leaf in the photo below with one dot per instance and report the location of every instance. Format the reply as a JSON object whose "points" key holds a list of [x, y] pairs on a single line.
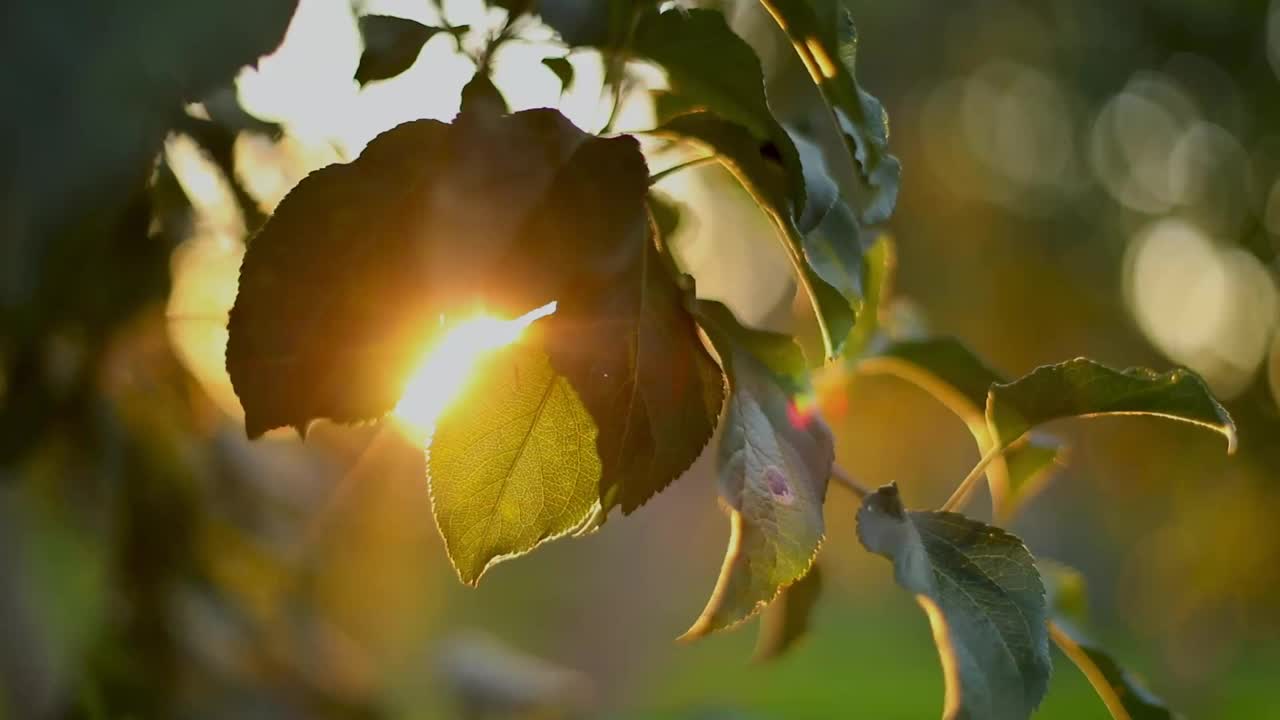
{"points": [[960, 380], [786, 621], [516, 466], [599, 24], [622, 333], [563, 70], [879, 260], [1084, 388], [773, 465], [767, 181], [711, 68], [342, 290], [1125, 697], [391, 46], [984, 598], [825, 38]]}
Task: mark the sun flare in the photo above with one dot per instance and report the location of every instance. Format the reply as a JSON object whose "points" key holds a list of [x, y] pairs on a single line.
{"points": [[446, 367]]}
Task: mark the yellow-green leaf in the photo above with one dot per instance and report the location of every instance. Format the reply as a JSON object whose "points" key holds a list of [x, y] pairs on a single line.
{"points": [[514, 464]]}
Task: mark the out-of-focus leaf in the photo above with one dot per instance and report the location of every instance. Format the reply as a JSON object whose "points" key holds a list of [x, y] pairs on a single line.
{"points": [[391, 46], [517, 466], [491, 679], [90, 91], [711, 68], [480, 95], [879, 260], [599, 24], [563, 70], [825, 38], [1084, 388], [767, 181], [960, 380], [786, 621], [984, 598], [773, 467], [1124, 695]]}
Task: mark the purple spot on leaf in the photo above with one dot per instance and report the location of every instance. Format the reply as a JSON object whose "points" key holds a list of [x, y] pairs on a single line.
{"points": [[778, 485]]}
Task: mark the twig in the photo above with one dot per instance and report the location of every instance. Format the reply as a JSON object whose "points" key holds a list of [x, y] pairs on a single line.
{"points": [[966, 486], [842, 477]]}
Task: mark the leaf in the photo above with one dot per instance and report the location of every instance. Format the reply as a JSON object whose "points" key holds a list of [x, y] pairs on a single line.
{"points": [[773, 464], [341, 290], [1084, 388], [786, 621], [710, 68], [480, 95], [563, 70], [960, 380], [879, 260], [1125, 697], [825, 38], [767, 182], [622, 333], [517, 466], [93, 89], [984, 598], [391, 46], [599, 24]]}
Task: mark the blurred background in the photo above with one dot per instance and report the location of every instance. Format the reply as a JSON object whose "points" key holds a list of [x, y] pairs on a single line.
{"points": [[1081, 177]]}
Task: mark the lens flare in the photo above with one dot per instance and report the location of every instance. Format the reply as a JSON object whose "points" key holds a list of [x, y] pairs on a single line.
{"points": [[447, 367]]}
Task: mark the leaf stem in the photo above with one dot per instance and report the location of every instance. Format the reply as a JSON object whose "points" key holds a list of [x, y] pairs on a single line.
{"points": [[843, 478], [1077, 655], [966, 486], [657, 177]]}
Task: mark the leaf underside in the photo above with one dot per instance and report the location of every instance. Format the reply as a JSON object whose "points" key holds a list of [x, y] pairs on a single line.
{"points": [[984, 598], [773, 467], [516, 467], [1084, 388]]}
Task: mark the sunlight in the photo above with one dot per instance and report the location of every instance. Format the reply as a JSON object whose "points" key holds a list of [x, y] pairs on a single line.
{"points": [[447, 367]]}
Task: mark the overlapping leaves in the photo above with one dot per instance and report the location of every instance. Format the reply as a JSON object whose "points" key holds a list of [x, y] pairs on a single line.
{"points": [[341, 292]]}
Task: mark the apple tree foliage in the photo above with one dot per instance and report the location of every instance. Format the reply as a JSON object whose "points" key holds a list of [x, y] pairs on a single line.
{"points": [[609, 400]]}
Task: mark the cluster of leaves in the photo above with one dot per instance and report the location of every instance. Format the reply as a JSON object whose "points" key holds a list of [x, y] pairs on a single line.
{"points": [[612, 397]]}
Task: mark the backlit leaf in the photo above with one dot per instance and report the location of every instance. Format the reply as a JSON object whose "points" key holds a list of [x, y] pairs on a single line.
{"points": [[391, 45], [622, 333], [774, 463], [1125, 697], [879, 260], [342, 290], [515, 466], [1084, 388], [984, 598]]}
